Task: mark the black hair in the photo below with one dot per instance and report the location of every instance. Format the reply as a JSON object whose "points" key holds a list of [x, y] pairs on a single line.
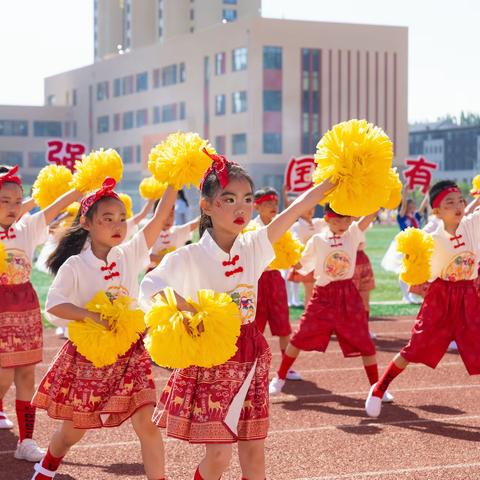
{"points": [[329, 209], [265, 191], [181, 196], [438, 188], [73, 240], [4, 168], [211, 186]]}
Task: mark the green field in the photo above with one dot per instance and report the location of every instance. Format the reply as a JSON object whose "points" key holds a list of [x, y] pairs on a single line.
{"points": [[387, 290]]}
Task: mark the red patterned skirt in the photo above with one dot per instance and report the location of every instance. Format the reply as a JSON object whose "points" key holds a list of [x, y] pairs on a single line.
{"points": [[73, 389], [21, 338], [221, 404], [297, 277], [363, 277]]}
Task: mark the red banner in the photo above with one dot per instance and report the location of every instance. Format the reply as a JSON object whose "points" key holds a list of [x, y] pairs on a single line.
{"points": [[65, 153], [419, 173], [298, 174]]}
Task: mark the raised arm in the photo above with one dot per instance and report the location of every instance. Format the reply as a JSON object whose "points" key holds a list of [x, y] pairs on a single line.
{"points": [[27, 205], [137, 218], [309, 199], [193, 224], [61, 203], [365, 222], [153, 228], [470, 208], [403, 205], [424, 204]]}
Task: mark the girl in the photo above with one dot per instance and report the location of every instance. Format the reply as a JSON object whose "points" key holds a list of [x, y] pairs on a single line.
{"points": [[451, 304], [227, 403], [89, 258], [21, 341]]}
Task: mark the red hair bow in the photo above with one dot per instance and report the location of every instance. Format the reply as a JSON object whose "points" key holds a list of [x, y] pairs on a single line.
{"points": [[219, 167], [10, 177], [106, 191]]}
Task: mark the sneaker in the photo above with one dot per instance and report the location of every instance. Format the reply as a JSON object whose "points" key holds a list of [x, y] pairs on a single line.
{"points": [[276, 385], [387, 397], [453, 346], [373, 405], [42, 473], [5, 422], [293, 375], [373, 336], [29, 450], [414, 299]]}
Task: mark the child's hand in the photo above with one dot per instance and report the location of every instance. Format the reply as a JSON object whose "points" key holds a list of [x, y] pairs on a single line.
{"points": [[97, 318]]}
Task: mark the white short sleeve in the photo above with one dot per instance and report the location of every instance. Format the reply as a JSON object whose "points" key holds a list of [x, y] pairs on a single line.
{"points": [[308, 259], [60, 292], [261, 247], [357, 234], [471, 223], [183, 234], [35, 229], [135, 252]]}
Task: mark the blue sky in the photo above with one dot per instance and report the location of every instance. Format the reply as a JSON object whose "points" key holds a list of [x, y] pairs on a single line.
{"points": [[39, 38]]}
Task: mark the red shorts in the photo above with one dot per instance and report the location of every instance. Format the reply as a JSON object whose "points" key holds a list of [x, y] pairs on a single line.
{"points": [[272, 304], [450, 311], [335, 308], [363, 277]]}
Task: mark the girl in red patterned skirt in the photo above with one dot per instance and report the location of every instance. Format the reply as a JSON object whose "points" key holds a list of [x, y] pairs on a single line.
{"points": [[227, 403], [91, 258], [21, 341]]}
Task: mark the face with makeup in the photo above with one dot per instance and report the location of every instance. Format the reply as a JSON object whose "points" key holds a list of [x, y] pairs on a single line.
{"points": [[107, 226], [339, 225], [11, 197], [267, 210], [451, 209], [231, 208]]}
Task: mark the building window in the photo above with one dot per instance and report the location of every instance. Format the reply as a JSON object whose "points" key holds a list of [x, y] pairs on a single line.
{"points": [[66, 129], [13, 128], [157, 78], [141, 117], [220, 63], [182, 72], [102, 91], [142, 82], [157, 114], [272, 143], [272, 58], [138, 155], [116, 122], [127, 120], [127, 156], [272, 101], [239, 102], [229, 2], [220, 104], [229, 15], [239, 59], [169, 113], [239, 144], [127, 85], [192, 14], [103, 124], [220, 144], [11, 158], [183, 112], [36, 159], [47, 129], [169, 75], [74, 97]]}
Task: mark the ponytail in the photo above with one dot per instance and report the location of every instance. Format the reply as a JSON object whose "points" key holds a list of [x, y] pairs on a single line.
{"points": [[204, 223]]}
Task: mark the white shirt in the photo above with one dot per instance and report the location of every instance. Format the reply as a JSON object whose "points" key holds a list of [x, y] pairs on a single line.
{"points": [[175, 236], [84, 275], [331, 257], [204, 265], [432, 225], [20, 241], [456, 257], [303, 231]]}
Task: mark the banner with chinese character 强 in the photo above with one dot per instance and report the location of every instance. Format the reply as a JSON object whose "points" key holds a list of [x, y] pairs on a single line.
{"points": [[419, 173], [64, 153], [298, 174]]}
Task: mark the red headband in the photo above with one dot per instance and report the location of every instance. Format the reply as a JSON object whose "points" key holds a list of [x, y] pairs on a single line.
{"points": [[10, 177], [219, 167], [443, 194], [106, 191], [331, 215], [268, 197]]}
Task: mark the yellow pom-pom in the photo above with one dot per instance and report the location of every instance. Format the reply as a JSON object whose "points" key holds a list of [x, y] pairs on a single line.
{"points": [[3, 259], [288, 252], [179, 160], [100, 345], [179, 339], [356, 156], [475, 191], [395, 186], [51, 183], [94, 168], [417, 248], [151, 189], [127, 201], [167, 341], [72, 211]]}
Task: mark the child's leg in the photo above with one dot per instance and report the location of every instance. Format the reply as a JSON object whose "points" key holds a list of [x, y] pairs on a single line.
{"points": [[295, 297], [308, 289], [371, 368], [150, 437], [395, 368], [6, 380], [252, 459], [24, 378], [290, 355], [283, 342], [216, 461]]}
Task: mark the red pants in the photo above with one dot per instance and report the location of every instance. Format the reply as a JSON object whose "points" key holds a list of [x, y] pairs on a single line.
{"points": [[272, 304], [335, 308]]}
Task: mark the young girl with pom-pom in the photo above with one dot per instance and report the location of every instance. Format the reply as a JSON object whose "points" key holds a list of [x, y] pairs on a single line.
{"points": [[92, 257], [272, 300], [451, 304], [227, 403], [335, 306], [21, 342]]}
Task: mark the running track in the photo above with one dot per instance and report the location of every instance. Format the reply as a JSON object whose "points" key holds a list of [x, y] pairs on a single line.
{"points": [[318, 427]]}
